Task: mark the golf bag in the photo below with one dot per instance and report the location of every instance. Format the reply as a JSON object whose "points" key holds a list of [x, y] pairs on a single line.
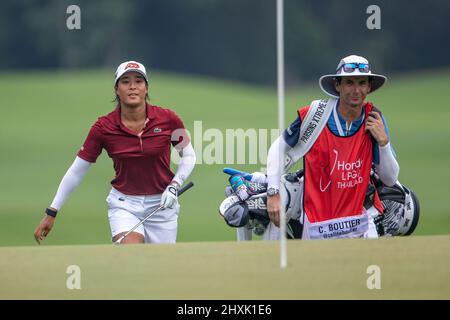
{"points": [[401, 209], [246, 205]]}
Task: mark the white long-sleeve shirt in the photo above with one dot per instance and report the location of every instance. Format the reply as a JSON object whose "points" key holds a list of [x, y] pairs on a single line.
{"points": [[79, 167]]}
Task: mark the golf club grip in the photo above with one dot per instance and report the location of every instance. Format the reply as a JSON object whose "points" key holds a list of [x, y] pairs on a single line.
{"points": [[185, 188]]}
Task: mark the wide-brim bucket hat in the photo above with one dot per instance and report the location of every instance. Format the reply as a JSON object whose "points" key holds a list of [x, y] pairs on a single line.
{"points": [[351, 66]]}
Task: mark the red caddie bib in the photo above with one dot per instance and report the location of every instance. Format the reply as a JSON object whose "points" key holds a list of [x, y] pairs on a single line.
{"points": [[337, 173]]}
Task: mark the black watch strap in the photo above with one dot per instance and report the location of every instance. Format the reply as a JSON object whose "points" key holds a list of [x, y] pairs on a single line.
{"points": [[51, 212]]}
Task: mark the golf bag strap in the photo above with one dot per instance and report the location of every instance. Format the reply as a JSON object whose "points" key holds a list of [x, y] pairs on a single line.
{"points": [[377, 201], [375, 109], [373, 199], [310, 128]]}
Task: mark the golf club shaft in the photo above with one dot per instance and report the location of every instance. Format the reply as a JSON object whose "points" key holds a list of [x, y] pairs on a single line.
{"points": [[182, 190]]}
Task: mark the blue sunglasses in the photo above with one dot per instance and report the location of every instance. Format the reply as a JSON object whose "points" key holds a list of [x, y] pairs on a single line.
{"points": [[350, 67]]}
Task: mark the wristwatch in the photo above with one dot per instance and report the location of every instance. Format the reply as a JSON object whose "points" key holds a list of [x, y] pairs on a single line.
{"points": [[272, 191], [51, 212]]}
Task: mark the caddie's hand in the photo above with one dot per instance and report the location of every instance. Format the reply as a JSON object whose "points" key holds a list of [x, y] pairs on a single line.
{"points": [[375, 126], [44, 228], [273, 208], [169, 197]]}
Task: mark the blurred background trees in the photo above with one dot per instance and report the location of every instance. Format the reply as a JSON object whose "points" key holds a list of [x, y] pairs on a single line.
{"points": [[232, 39]]}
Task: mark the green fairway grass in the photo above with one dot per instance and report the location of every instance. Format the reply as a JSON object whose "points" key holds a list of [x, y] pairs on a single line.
{"points": [[409, 268], [46, 117]]}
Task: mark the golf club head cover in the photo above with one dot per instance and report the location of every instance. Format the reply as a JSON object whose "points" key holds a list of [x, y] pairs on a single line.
{"points": [[234, 211], [256, 177], [240, 187]]}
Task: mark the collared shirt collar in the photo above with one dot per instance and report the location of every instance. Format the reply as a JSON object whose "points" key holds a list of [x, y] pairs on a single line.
{"points": [[150, 115], [341, 123]]}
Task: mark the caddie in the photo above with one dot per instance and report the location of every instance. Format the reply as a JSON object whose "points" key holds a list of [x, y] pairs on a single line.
{"points": [[339, 139]]}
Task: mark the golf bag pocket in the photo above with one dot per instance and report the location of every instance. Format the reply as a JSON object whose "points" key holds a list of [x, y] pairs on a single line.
{"points": [[401, 210], [292, 194], [252, 213]]}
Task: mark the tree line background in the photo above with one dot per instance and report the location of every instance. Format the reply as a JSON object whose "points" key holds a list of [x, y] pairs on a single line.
{"points": [[234, 39]]}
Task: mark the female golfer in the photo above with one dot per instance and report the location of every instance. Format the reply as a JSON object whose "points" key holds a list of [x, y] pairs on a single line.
{"points": [[137, 136]]}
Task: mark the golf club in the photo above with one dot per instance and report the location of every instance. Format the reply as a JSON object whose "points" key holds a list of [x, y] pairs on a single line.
{"points": [[182, 190]]}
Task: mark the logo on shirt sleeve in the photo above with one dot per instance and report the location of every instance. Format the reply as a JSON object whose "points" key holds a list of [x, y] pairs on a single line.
{"points": [[157, 130]]}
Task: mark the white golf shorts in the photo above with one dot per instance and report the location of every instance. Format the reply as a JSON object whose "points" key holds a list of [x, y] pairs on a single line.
{"points": [[126, 211]]}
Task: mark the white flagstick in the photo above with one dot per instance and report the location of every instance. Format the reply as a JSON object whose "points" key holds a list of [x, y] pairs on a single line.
{"points": [[280, 75]]}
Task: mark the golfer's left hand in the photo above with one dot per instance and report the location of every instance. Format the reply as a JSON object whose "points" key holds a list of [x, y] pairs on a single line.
{"points": [[375, 126], [169, 197], [44, 228]]}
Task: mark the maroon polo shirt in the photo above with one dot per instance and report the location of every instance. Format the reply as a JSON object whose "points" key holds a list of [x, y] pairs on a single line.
{"points": [[141, 161]]}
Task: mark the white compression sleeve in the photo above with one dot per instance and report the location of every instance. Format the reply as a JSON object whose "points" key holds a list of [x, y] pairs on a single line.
{"points": [[186, 165], [388, 169], [273, 158], [70, 181]]}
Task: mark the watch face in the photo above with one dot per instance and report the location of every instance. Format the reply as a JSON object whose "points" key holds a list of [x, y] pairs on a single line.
{"points": [[272, 191]]}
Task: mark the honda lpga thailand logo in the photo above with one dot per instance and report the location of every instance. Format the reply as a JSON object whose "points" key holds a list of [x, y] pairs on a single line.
{"points": [[350, 174]]}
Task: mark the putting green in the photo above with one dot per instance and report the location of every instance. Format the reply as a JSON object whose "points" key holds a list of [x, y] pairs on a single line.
{"points": [[410, 268]]}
